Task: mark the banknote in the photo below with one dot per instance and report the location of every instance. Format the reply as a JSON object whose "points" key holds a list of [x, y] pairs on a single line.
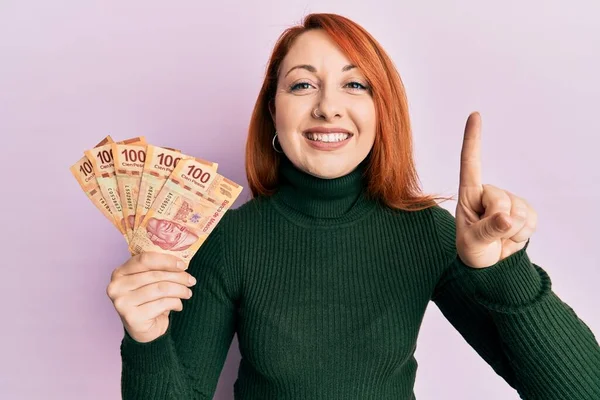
{"points": [[104, 167], [129, 163], [222, 188], [184, 213], [160, 163], [83, 172]]}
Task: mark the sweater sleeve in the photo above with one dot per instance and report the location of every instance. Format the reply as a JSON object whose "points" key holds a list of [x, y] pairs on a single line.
{"points": [[510, 316], [186, 361]]}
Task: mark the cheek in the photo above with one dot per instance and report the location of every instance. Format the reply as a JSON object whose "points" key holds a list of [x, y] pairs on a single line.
{"points": [[289, 113], [289, 119], [366, 120], [290, 141]]}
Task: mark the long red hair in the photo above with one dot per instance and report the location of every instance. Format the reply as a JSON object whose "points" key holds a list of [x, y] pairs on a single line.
{"points": [[390, 174]]}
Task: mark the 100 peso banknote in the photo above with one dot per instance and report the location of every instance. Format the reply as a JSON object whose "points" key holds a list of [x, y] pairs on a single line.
{"points": [[160, 163], [104, 167], [189, 206], [129, 162], [83, 171], [158, 198]]}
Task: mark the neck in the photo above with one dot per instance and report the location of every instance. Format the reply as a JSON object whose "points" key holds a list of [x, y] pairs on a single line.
{"points": [[309, 198]]}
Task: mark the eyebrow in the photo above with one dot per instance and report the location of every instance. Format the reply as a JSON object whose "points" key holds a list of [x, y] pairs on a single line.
{"points": [[312, 69]]}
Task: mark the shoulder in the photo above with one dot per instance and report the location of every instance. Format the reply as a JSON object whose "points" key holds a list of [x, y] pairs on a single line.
{"points": [[433, 225], [248, 212], [444, 228], [441, 217], [434, 217], [240, 220], [231, 236]]}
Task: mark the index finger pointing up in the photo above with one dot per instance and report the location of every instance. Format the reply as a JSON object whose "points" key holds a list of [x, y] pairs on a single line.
{"points": [[470, 156]]}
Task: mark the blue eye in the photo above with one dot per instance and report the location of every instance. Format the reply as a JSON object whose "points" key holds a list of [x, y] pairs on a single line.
{"points": [[295, 87], [361, 86]]}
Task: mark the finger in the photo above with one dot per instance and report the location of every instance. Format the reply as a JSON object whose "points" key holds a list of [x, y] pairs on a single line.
{"points": [[135, 281], [519, 206], [470, 156], [522, 234], [490, 229], [159, 307], [522, 210], [156, 291], [151, 261], [495, 200]]}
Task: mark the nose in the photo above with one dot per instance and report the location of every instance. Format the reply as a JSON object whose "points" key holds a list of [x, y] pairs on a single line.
{"points": [[329, 105]]}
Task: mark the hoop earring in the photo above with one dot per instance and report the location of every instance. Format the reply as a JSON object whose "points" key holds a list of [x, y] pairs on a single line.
{"points": [[273, 143]]}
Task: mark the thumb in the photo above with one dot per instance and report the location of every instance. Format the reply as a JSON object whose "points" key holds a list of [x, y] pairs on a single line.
{"points": [[492, 228]]}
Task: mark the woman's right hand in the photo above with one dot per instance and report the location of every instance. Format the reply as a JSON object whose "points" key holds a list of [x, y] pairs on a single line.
{"points": [[145, 289]]}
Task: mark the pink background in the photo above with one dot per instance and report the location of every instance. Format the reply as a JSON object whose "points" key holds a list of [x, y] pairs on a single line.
{"points": [[186, 75]]}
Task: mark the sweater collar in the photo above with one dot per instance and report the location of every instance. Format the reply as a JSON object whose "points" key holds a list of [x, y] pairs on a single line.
{"points": [[313, 199]]}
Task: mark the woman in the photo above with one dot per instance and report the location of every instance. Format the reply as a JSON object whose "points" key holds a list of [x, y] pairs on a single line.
{"points": [[326, 273]]}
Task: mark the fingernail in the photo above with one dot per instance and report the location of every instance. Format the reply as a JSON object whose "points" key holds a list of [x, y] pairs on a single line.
{"points": [[181, 265], [192, 280]]}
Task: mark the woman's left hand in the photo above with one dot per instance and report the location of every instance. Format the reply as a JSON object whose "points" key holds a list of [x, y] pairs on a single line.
{"points": [[491, 223]]}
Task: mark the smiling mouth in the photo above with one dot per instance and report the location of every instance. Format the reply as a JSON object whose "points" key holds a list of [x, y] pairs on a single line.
{"points": [[327, 137]]}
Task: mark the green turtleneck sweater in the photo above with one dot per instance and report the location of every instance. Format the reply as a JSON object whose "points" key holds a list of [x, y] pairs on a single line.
{"points": [[326, 291]]}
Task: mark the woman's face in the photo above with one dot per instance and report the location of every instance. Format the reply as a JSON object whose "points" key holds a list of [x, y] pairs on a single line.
{"points": [[315, 74]]}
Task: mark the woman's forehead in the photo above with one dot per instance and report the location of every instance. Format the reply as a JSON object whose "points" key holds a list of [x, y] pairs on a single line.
{"points": [[316, 49]]}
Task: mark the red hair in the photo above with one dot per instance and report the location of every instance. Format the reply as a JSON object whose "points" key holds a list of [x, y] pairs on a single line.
{"points": [[390, 174]]}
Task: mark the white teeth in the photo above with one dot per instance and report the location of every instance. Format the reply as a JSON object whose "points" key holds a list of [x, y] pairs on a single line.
{"points": [[327, 137]]}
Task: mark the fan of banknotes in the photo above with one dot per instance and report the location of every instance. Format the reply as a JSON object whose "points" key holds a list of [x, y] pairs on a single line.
{"points": [[158, 198]]}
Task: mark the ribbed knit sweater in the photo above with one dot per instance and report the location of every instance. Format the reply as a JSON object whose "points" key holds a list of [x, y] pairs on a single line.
{"points": [[327, 289]]}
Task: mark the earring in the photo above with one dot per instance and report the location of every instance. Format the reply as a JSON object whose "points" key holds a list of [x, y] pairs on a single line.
{"points": [[273, 143]]}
